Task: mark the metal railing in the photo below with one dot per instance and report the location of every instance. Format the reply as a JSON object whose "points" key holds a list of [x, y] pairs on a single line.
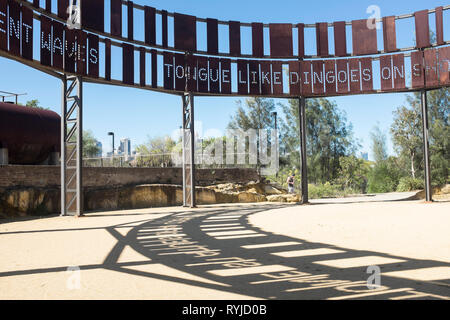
{"points": [[154, 161]]}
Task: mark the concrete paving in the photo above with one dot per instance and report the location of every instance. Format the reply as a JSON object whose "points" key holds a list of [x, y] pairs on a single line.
{"points": [[400, 249]]}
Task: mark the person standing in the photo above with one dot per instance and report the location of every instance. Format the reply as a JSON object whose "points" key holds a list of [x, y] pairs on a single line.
{"points": [[291, 182]]}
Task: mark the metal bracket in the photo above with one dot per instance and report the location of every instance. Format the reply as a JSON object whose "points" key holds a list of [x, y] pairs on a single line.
{"points": [[72, 147]]}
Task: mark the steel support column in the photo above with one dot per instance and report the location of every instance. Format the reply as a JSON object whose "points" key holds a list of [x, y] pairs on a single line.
{"points": [[426, 150], [72, 147], [188, 136], [302, 120]]}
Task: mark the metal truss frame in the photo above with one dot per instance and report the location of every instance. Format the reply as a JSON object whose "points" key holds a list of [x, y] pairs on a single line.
{"points": [[72, 146], [188, 140]]}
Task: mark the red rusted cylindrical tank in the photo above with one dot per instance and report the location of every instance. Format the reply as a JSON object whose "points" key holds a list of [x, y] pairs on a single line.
{"points": [[29, 134]]}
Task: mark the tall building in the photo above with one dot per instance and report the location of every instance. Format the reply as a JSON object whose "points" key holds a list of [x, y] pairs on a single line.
{"points": [[100, 149], [125, 147], [365, 156]]}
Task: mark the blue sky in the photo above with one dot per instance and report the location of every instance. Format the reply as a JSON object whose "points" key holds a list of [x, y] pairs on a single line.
{"points": [[137, 114]]}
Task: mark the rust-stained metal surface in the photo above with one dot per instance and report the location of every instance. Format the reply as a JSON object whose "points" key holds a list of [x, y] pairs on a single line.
{"points": [[93, 63], [389, 34], [185, 28], [431, 68], [301, 39], [422, 29], [58, 45], [154, 68], [281, 44], [116, 17], [63, 5], [150, 25], [254, 79], [225, 79], [165, 31], [82, 52], [208, 72], [294, 78], [444, 65], [91, 15], [128, 63], [277, 77], [29, 134], [168, 71], [354, 75], [340, 39], [203, 74], [266, 78], [364, 38], [130, 21], [191, 62], [214, 75], [14, 35], [318, 77], [305, 71], [46, 41], [330, 76], [71, 49], [440, 26], [180, 79], [107, 59], [27, 33], [4, 35], [212, 28], [142, 79], [257, 39], [242, 67], [386, 72], [398, 71], [417, 70], [366, 74], [342, 75], [322, 39], [235, 38]]}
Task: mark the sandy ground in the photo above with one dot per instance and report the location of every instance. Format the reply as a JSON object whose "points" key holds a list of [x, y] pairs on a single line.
{"points": [[405, 228], [40, 257]]}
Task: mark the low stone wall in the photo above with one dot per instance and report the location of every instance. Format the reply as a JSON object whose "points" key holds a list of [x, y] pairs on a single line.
{"points": [[35, 190], [49, 176], [41, 202]]}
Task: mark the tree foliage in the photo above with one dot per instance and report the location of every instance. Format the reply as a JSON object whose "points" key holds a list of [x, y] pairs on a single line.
{"points": [[156, 145], [90, 148], [329, 137], [407, 135], [256, 114]]}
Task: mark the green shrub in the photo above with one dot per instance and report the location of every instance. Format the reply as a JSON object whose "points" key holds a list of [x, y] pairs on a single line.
{"points": [[409, 184], [323, 191], [384, 177]]}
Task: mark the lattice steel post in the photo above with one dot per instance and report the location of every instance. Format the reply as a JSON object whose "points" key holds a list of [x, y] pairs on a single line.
{"points": [[72, 147], [188, 151], [302, 119], [426, 146]]}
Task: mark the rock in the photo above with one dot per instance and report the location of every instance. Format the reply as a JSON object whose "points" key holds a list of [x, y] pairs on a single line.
{"points": [[270, 190], [248, 197], [291, 198]]}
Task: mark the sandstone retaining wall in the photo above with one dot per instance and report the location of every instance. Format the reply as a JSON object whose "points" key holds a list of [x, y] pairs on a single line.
{"points": [[49, 176]]}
